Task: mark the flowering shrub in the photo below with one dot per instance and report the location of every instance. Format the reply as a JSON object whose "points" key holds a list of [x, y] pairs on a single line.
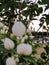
{"points": [[17, 45]]}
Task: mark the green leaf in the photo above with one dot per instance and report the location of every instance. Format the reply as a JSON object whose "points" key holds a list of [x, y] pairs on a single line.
{"points": [[47, 49], [39, 10], [1, 60], [26, 12], [31, 59], [2, 36], [23, 5], [43, 55], [40, 62], [45, 2], [47, 63]]}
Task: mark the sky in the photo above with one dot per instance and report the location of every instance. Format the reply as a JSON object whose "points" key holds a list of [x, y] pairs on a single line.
{"points": [[37, 22]]}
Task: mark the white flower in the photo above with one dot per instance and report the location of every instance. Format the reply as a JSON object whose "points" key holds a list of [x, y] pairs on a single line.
{"points": [[2, 40], [8, 44], [23, 38], [1, 24], [31, 36], [24, 49], [10, 61], [17, 59], [18, 29], [4, 30]]}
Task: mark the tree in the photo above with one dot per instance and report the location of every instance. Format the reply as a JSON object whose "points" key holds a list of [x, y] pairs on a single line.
{"points": [[16, 40]]}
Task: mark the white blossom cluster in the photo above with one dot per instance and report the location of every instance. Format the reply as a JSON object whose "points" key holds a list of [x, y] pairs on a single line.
{"points": [[8, 44], [18, 29], [10, 61], [24, 49]]}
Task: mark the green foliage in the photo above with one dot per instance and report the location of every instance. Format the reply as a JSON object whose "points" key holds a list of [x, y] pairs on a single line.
{"points": [[43, 55], [45, 2], [47, 49]]}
